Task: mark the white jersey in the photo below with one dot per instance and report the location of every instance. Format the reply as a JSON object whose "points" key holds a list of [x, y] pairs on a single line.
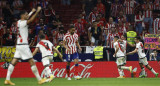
{"points": [[120, 52], [140, 51], [45, 47], [125, 45], [22, 32]]}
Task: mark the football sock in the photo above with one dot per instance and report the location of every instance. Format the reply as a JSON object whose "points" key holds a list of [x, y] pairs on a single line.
{"points": [[152, 70], [68, 70], [35, 71], [48, 71], [76, 69], [9, 72], [120, 72], [143, 71], [124, 67]]}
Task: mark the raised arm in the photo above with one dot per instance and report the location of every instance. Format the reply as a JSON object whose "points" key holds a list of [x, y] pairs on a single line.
{"points": [[132, 52], [34, 16]]}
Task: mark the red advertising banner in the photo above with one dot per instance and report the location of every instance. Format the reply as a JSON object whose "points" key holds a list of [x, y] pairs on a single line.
{"points": [[86, 69]]}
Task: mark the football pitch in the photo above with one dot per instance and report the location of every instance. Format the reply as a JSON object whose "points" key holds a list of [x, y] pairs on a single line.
{"points": [[87, 82]]}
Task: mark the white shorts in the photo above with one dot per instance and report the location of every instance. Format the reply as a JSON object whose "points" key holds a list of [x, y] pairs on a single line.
{"points": [[121, 61], [23, 52], [47, 60], [143, 61]]}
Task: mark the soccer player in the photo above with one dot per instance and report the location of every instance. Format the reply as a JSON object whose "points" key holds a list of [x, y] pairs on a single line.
{"points": [[46, 48], [120, 57], [22, 49], [142, 57], [70, 42]]}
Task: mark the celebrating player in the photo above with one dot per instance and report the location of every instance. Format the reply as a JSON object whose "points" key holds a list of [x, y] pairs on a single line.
{"points": [[70, 42], [120, 57], [22, 49], [46, 47], [142, 57]]}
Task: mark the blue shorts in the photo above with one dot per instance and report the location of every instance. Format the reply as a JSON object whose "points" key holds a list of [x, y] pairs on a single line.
{"points": [[70, 57]]}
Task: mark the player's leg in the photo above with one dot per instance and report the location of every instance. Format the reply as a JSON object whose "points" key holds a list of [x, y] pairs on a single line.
{"points": [[142, 70], [122, 62], [145, 62], [68, 59], [9, 72], [121, 73], [76, 58], [35, 71], [46, 64]]}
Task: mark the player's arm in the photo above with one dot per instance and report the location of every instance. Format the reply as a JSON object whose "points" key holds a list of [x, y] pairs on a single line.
{"points": [[132, 45], [33, 10], [34, 16], [132, 52], [117, 48], [60, 55], [35, 51], [79, 47], [64, 45]]}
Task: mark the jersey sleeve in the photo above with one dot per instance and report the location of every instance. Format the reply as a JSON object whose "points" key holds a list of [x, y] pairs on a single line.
{"points": [[37, 46], [137, 46]]}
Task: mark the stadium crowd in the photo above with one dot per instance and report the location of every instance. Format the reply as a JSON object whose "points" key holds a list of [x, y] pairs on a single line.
{"points": [[99, 20]]}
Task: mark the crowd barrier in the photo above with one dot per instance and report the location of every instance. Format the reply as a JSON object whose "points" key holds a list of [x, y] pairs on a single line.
{"points": [[86, 69]]}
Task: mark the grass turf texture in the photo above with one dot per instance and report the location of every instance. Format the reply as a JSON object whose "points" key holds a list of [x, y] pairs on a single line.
{"points": [[87, 82]]}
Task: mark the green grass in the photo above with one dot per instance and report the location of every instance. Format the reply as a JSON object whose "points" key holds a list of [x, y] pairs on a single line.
{"points": [[87, 82]]}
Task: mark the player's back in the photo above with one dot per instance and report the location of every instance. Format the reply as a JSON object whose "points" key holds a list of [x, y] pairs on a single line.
{"points": [[140, 51], [45, 47], [22, 32], [120, 52]]}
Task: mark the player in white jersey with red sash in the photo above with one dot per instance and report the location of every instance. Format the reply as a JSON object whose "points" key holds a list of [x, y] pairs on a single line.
{"points": [[70, 42], [22, 49], [142, 57], [46, 48], [120, 57]]}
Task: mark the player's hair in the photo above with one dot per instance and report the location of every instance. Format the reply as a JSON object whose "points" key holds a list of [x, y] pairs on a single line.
{"points": [[116, 37], [71, 26], [42, 36], [138, 38], [22, 12]]}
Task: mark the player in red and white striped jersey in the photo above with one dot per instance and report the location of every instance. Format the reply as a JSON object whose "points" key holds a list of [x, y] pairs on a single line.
{"points": [[147, 11], [70, 42]]}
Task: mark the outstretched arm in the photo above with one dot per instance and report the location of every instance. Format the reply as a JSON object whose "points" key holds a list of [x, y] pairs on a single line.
{"points": [[132, 52], [35, 51]]}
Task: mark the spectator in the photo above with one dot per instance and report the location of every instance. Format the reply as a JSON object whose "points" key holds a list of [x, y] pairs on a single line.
{"points": [[66, 2], [93, 15], [31, 37], [126, 24], [60, 34], [130, 6], [87, 6], [115, 9], [147, 10], [34, 3], [2, 26], [121, 17], [17, 5], [153, 56], [101, 8], [107, 4], [14, 28], [121, 28], [44, 4], [61, 49], [95, 34], [37, 39], [107, 29], [49, 13], [157, 6], [2, 5], [139, 21], [40, 26], [9, 38]]}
